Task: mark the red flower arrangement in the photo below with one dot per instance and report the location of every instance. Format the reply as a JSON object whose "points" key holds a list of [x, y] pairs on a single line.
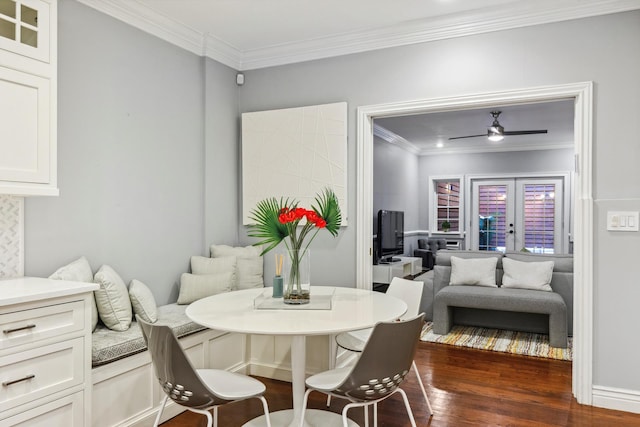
{"points": [[275, 221]]}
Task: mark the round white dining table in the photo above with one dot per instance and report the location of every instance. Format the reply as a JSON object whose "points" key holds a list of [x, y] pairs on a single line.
{"points": [[351, 309]]}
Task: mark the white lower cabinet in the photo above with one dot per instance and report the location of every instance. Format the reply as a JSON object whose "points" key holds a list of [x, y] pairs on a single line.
{"points": [[67, 411], [45, 353]]}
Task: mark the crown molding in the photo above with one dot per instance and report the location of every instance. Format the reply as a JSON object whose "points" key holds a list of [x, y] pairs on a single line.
{"points": [[394, 139], [140, 16], [419, 31]]}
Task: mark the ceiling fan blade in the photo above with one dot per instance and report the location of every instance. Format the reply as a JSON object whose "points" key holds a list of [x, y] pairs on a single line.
{"points": [[468, 136], [524, 132]]}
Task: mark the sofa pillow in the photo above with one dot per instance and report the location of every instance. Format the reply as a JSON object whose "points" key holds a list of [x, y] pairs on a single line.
{"points": [[249, 273], [112, 299], [142, 301], [204, 265], [194, 287], [473, 271], [79, 271], [527, 275], [218, 251]]}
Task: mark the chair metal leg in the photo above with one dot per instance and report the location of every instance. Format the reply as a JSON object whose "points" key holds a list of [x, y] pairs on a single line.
{"points": [[156, 423], [366, 415], [375, 414], [215, 417], [345, 422], [406, 404], [266, 410], [424, 392]]}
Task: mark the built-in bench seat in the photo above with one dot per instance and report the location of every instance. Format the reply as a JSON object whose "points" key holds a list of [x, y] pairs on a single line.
{"points": [[108, 346]]}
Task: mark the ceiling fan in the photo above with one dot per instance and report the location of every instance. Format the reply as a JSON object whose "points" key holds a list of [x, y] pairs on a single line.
{"points": [[496, 132]]}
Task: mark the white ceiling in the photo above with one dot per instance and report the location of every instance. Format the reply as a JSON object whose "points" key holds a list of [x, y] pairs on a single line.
{"points": [[420, 134], [250, 34]]}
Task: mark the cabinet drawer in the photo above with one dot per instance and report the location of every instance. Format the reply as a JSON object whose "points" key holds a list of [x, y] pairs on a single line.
{"points": [[23, 327], [67, 411], [32, 374]]}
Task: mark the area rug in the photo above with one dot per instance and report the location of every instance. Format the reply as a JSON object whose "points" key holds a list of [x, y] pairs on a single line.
{"points": [[524, 343]]}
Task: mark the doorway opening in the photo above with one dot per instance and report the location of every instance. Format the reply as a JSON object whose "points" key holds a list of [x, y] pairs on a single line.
{"points": [[581, 94]]}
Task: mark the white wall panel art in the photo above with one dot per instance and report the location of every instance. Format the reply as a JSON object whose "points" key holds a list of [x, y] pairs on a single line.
{"points": [[295, 153]]}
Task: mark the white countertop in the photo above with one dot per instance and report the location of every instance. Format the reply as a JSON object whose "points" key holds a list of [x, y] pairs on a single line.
{"points": [[27, 289]]}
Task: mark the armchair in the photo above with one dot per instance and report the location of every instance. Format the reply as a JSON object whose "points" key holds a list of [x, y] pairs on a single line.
{"points": [[425, 253]]}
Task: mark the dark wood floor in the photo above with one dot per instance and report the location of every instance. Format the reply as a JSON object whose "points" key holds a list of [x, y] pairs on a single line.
{"points": [[466, 388]]}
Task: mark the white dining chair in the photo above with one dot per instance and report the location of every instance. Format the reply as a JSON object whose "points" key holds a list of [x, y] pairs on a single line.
{"points": [[410, 292], [378, 373], [198, 390]]}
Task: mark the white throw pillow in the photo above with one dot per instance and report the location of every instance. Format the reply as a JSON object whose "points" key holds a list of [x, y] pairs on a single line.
{"points": [[249, 273], [194, 287], [218, 251], [142, 301], [112, 299], [473, 271], [527, 275], [204, 265], [79, 271]]}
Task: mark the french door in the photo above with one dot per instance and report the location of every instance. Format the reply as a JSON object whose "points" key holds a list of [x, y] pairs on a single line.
{"points": [[517, 214]]}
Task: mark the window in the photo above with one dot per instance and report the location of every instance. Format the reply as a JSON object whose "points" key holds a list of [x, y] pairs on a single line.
{"points": [[448, 205], [18, 22]]}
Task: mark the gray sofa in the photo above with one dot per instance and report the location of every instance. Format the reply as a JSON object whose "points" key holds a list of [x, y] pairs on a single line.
{"points": [[513, 309]]}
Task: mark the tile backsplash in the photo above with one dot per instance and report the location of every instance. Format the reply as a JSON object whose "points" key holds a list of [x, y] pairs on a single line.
{"points": [[11, 236]]}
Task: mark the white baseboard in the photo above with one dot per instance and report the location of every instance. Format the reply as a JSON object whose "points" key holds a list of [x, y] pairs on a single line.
{"points": [[616, 398]]}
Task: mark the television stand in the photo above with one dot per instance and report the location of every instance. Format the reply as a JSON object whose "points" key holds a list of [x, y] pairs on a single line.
{"points": [[389, 260], [405, 266]]}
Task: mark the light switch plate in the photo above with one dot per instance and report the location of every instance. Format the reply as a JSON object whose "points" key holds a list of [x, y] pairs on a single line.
{"points": [[622, 221]]}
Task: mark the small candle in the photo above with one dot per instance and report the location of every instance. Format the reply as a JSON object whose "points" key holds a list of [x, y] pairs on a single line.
{"points": [[277, 287]]}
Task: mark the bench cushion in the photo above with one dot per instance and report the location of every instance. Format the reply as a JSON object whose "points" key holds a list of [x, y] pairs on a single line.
{"points": [[522, 300], [108, 345]]}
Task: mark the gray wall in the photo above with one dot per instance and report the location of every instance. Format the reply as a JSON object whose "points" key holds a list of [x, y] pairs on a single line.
{"points": [[130, 156], [520, 162], [396, 182], [602, 49], [222, 155]]}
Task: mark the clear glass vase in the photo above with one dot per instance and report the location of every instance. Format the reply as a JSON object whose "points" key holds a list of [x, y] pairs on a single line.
{"points": [[298, 278]]}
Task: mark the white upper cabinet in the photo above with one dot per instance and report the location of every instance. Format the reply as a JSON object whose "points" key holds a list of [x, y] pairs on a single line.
{"points": [[28, 90]]}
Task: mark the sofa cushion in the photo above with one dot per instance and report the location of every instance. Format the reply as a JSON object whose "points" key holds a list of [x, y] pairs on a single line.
{"points": [[142, 301], [562, 263], [527, 275], [79, 271], [475, 271], [112, 299], [109, 346]]}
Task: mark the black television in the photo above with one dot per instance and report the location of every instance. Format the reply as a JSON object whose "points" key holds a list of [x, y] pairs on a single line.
{"points": [[390, 237]]}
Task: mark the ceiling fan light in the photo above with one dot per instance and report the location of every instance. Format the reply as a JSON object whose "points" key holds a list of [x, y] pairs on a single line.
{"points": [[495, 133]]}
